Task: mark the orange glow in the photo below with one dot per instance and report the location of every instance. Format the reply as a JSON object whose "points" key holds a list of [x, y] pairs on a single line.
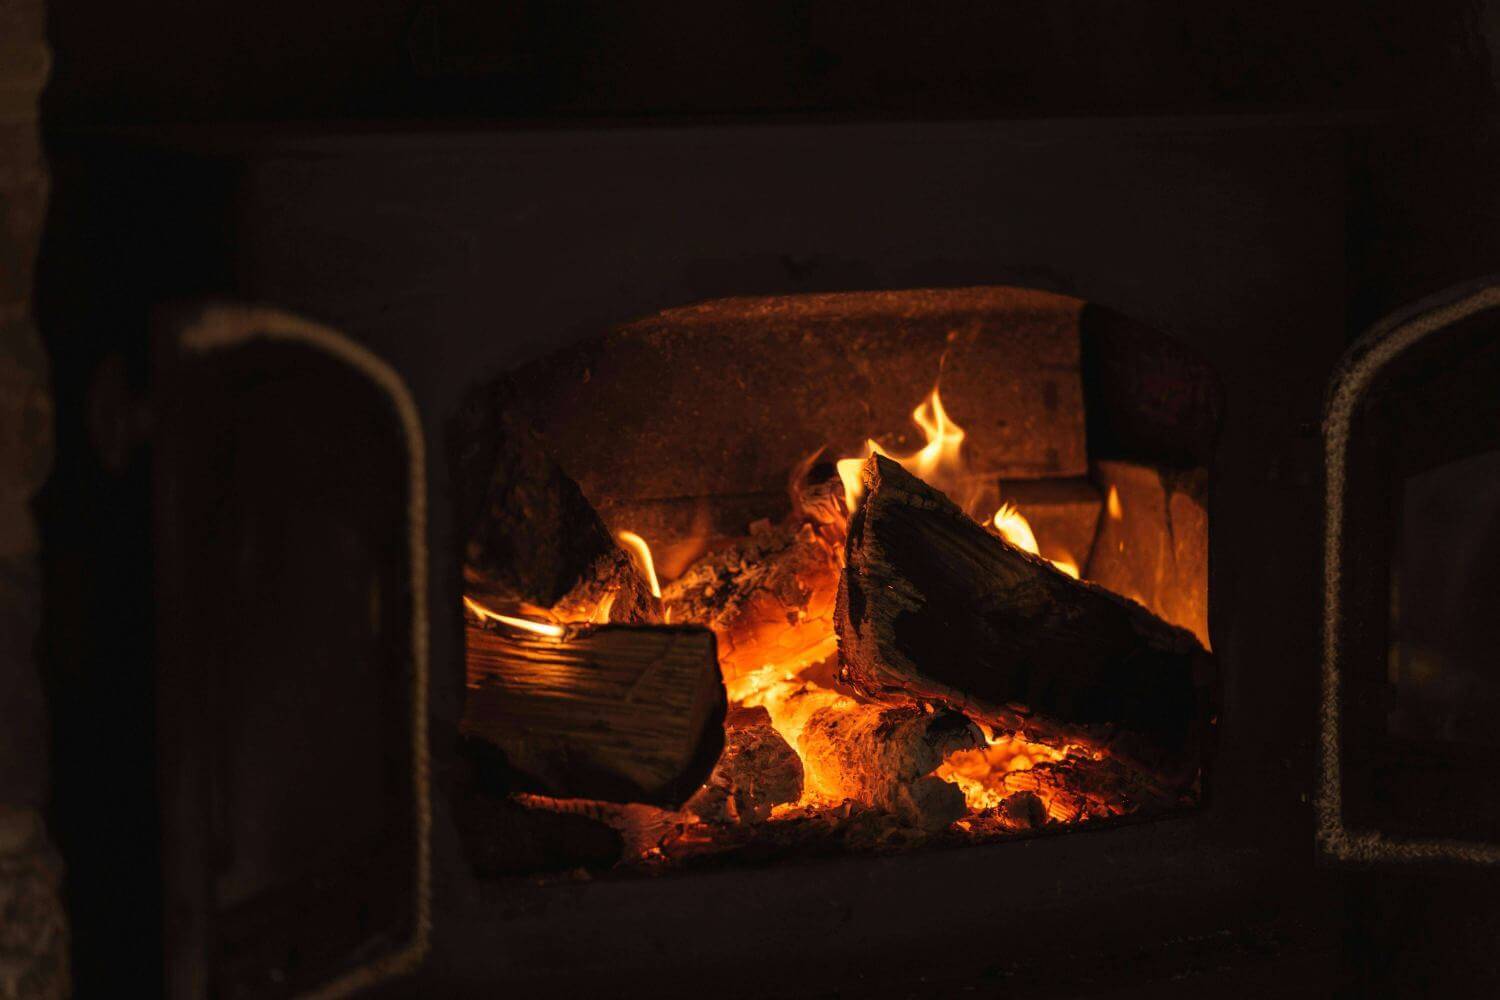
{"points": [[936, 461], [540, 628], [1112, 504], [982, 775], [1066, 563], [1014, 528], [642, 553]]}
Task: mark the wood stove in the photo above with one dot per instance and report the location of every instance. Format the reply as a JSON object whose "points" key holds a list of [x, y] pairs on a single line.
{"points": [[1133, 322]]}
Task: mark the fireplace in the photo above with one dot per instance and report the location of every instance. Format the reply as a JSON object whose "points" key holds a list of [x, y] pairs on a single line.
{"points": [[885, 689], [722, 376]]}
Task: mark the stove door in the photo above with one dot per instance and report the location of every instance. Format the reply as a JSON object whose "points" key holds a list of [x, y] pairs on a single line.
{"points": [[291, 630], [1411, 666]]}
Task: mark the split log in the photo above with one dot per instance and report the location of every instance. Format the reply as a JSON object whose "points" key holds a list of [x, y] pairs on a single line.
{"points": [[619, 713], [769, 597], [884, 757], [758, 771], [532, 540], [933, 607]]}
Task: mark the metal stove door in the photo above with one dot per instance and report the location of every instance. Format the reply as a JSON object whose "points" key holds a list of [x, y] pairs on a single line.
{"points": [[291, 630], [1410, 720]]}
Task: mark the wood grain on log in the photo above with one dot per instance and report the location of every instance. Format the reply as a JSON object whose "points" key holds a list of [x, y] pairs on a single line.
{"points": [[618, 713], [933, 607]]}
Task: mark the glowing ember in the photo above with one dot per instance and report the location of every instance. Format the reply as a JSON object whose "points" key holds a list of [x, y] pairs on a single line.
{"points": [[981, 774], [526, 625], [759, 592], [642, 553]]}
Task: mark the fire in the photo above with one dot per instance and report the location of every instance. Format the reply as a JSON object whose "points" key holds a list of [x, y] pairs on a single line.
{"points": [[540, 628], [940, 462], [980, 774], [934, 462], [642, 553], [1014, 528]]}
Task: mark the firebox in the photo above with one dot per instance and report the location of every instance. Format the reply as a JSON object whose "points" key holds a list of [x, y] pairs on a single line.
{"points": [[892, 613], [700, 558]]}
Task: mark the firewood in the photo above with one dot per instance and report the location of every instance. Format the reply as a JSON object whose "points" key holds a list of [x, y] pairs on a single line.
{"points": [[619, 713], [757, 771], [933, 607], [532, 540], [884, 757], [769, 597]]}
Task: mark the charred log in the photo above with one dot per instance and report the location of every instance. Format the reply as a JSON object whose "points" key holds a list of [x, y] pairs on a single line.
{"points": [[619, 713], [532, 540], [933, 607], [769, 597], [884, 757], [757, 771]]}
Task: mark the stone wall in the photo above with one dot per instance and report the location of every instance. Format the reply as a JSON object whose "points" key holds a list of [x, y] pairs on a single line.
{"points": [[33, 933]]}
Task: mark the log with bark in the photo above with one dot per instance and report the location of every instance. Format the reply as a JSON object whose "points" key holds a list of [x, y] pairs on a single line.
{"points": [[931, 606], [884, 757], [532, 540], [619, 713]]}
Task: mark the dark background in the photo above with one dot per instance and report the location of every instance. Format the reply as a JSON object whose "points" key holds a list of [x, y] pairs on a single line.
{"points": [[1410, 87]]}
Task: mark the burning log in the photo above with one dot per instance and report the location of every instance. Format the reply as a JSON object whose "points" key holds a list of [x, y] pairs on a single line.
{"points": [[884, 757], [933, 607], [758, 770], [769, 597], [532, 538], [618, 713]]}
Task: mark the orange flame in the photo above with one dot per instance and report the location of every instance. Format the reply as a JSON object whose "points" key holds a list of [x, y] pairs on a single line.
{"points": [[540, 628], [938, 458], [1014, 528], [642, 553]]}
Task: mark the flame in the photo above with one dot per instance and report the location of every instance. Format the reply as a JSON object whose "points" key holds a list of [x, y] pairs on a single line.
{"points": [[540, 628], [642, 553], [848, 469], [937, 460], [1014, 528], [945, 439], [1112, 504]]}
